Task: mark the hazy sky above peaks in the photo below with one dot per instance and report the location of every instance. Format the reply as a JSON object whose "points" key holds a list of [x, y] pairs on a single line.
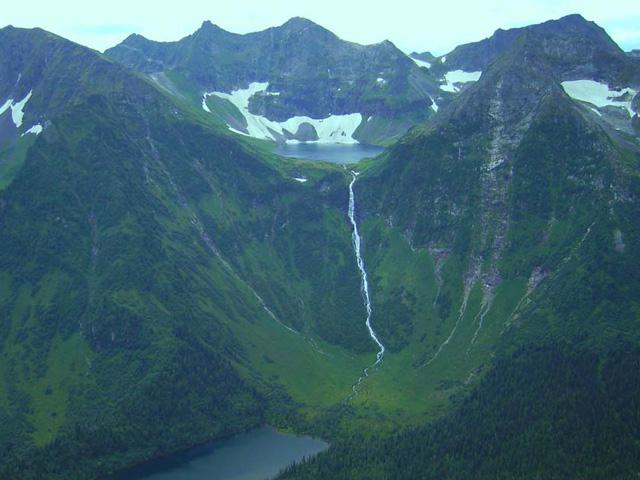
{"points": [[410, 24]]}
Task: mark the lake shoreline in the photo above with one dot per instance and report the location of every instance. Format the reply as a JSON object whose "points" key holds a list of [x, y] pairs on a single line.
{"points": [[341, 154], [112, 475], [199, 452]]}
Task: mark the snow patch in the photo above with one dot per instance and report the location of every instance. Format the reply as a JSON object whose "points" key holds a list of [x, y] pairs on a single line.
{"points": [[434, 105], [443, 59], [37, 129], [421, 63], [599, 94], [5, 106], [381, 81], [204, 104], [332, 129], [17, 109], [300, 179], [458, 76]]}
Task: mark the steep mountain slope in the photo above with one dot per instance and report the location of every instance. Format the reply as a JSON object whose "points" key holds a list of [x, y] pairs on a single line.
{"points": [[309, 72], [518, 176], [520, 208], [575, 47], [158, 279], [545, 412], [31, 90], [580, 54], [164, 282]]}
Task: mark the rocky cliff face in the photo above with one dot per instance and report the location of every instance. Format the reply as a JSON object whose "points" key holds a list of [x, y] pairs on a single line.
{"points": [[310, 71], [510, 180], [154, 266], [575, 49]]}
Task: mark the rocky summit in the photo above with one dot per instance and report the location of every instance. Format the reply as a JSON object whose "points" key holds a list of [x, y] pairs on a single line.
{"points": [[463, 305], [308, 71]]}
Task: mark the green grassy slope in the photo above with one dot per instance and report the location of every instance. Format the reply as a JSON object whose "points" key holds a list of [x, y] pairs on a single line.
{"points": [[502, 247], [557, 411], [155, 266], [140, 249]]}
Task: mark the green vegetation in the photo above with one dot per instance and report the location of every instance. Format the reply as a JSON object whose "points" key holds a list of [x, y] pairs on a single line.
{"points": [[164, 282], [553, 411], [507, 295], [131, 323], [314, 72], [12, 158]]}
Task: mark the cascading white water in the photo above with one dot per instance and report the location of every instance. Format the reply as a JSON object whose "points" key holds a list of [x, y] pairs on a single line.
{"points": [[365, 283]]}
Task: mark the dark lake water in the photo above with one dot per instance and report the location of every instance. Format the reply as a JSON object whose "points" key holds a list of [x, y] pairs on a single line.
{"points": [[256, 455], [335, 153]]}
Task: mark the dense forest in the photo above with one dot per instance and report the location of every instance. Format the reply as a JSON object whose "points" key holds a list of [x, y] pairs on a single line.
{"points": [[165, 281], [554, 411]]}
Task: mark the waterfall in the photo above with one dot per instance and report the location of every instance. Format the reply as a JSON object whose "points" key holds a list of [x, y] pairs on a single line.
{"points": [[355, 236]]}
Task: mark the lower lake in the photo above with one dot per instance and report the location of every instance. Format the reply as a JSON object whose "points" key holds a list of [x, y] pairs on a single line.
{"points": [[333, 152], [259, 454]]}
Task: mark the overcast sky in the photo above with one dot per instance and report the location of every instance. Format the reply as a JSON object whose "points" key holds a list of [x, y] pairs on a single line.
{"points": [[411, 24]]}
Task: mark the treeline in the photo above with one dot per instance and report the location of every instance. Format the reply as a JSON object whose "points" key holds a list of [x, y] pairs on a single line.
{"points": [[555, 412], [158, 415]]}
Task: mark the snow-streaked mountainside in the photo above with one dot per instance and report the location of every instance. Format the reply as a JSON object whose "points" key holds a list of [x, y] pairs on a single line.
{"points": [[421, 63], [600, 94], [332, 129], [36, 130], [615, 108], [16, 110], [319, 85], [315, 73], [456, 77], [592, 69], [165, 280], [580, 50]]}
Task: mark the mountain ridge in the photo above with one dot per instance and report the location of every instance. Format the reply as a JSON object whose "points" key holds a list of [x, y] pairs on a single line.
{"points": [[518, 194], [591, 44], [310, 70], [156, 266], [135, 192]]}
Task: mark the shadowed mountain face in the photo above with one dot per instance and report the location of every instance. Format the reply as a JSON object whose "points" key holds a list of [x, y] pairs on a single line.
{"points": [[45, 75], [310, 72], [164, 282], [154, 268], [499, 169], [523, 198], [575, 49]]}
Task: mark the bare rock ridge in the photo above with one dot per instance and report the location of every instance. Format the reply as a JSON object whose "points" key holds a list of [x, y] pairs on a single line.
{"points": [[313, 72]]}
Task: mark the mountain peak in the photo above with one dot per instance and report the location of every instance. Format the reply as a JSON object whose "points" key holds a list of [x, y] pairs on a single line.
{"points": [[298, 24], [133, 37], [299, 21], [580, 46], [574, 22], [575, 18], [209, 25]]}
